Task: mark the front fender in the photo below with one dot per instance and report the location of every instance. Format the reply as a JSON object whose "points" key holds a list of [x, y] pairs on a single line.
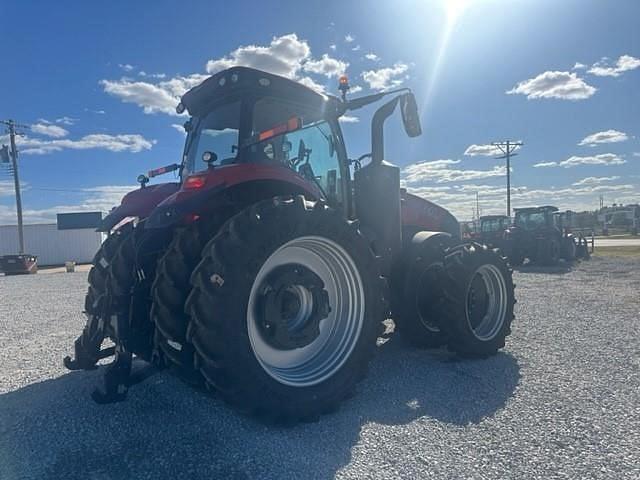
{"points": [[138, 203]]}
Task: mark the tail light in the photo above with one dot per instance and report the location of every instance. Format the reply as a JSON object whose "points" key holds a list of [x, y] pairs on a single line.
{"points": [[194, 182]]}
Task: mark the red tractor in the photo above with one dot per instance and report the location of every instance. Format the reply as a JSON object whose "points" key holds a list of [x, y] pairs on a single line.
{"points": [[267, 270]]}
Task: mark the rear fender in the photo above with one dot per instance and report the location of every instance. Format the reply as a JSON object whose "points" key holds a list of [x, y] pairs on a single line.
{"points": [[230, 186], [137, 204]]}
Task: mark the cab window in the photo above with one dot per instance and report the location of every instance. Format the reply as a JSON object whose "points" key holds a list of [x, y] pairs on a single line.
{"points": [[309, 151]]}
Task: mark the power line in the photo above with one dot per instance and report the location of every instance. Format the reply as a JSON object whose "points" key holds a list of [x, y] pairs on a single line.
{"points": [[508, 149]]}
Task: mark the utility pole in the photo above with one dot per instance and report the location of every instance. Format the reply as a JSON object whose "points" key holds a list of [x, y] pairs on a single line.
{"points": [[508, 149], [478, 205], [11, 129]]}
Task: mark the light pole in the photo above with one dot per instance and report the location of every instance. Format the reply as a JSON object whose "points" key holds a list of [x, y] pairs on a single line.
{"points": [[11, 128], [508, 149]]}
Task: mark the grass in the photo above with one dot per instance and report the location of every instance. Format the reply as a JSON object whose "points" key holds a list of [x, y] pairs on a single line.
{"points": [[625, 251]]}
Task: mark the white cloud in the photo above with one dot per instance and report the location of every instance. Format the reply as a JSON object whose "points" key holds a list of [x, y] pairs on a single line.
{"points": [[349, 119], [327, 66], [7, 188], [179, 128], [66, 120], [386, 78], [459, 199], [312, 84], [333, 47], [604, 69], [153, 98], [579, 66], [439, 171], [356, 48], [595, 180], [284, 56], [349, 38], [97, 198], [133, 143], [49, 130], [355, 89], [372, 56], [483, 150], [608, 136], [126, 67], [142, 73], [602, 159], [574, 161], [561, 85]]}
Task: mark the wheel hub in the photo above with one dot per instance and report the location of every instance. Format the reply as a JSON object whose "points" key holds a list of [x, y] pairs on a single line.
{"points": [[291, 305]]}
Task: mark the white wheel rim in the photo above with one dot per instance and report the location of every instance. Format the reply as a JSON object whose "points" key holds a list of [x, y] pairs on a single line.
{"points": [[339, 331], [497, 303]]}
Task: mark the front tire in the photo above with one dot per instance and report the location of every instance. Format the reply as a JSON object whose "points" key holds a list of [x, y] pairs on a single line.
{"points": [[286, 307], [416, 298], [476, 310]]}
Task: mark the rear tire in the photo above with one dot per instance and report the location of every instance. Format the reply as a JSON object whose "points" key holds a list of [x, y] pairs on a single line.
{"points": [[476, 309], [548, 253], [131, 273], [570, 249], [292, 360], [94, 331], [170, 291]]}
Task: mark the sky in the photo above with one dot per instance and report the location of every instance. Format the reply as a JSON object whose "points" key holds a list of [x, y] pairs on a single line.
{"points": [[97, 84]]}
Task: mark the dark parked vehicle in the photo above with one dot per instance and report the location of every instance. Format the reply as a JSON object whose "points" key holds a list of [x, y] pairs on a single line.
{"points": [[537, 234], [492, 231]]}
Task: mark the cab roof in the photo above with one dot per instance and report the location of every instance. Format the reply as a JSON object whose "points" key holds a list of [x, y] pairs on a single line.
{"points": [[548, 208], [494, 217], [237, 82]]}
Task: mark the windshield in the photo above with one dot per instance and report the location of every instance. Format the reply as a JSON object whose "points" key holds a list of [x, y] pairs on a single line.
{"points": [[216, 133], [530, 220], [493, 225]]}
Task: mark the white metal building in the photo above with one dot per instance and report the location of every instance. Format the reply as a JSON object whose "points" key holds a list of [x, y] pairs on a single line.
{"points": [[52, 246]]}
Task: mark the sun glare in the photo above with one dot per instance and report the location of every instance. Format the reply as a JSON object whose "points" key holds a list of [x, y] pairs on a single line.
{"points": [[455, 9]]}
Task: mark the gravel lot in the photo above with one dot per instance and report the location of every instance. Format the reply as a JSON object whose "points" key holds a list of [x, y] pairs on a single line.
{"points": [[562, 401]]}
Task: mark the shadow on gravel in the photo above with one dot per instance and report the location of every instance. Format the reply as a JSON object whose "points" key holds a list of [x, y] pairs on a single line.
{"points": [[165, 429], [560, 269]]}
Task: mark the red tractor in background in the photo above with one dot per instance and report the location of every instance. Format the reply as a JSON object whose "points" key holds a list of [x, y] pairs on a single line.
{"points": [[267, 270]]}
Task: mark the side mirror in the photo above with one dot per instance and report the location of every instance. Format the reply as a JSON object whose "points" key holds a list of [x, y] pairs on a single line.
{"points": [[410, 116]]}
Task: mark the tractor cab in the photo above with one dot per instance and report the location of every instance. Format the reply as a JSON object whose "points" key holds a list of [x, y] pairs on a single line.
{"points": [[492, 230], [243, 116], [535, 218], [494, 224]]}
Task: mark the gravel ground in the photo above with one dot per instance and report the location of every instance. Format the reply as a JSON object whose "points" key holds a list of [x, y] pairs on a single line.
{"points": [[562, 401]]}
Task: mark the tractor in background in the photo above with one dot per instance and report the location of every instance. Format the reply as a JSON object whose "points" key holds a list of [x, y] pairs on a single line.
{"points": [[266, 271], [492, 232], [537, 234]]}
